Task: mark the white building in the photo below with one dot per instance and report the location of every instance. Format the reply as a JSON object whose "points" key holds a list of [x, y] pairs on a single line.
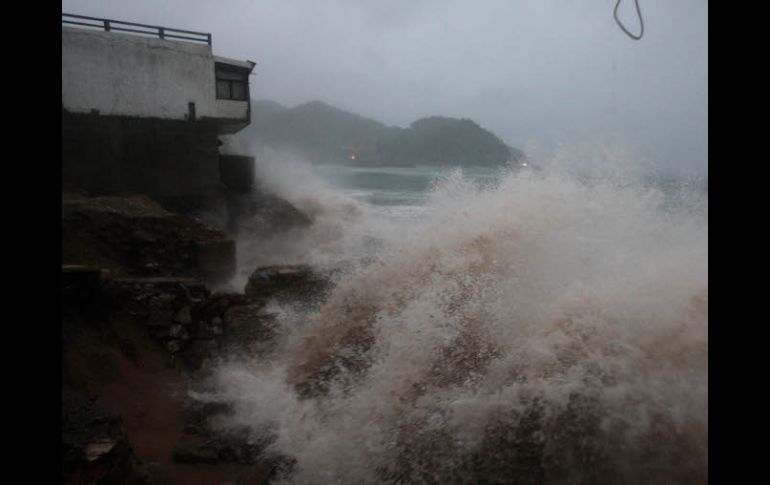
{"points": [[142, 107]]}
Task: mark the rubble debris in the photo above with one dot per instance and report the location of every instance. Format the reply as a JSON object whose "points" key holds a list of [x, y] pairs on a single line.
{"points": [[94, 445]]}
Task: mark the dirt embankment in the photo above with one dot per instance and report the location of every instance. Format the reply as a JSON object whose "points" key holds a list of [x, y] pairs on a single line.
{"points": [[135, 235], [122, 373], [140, 328]]}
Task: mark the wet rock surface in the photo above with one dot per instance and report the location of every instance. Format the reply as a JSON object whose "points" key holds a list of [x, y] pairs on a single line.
{"points": [[288, 283], [193, 324]]}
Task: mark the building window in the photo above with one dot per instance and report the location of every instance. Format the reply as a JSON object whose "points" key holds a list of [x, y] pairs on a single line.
{"points": [[232, 82]]}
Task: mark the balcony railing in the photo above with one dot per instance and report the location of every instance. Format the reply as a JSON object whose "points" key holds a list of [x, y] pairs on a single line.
{"points": [[119, 26]]}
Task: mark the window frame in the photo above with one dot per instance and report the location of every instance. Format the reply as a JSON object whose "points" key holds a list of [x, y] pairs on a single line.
{"points": [[224, 73]]}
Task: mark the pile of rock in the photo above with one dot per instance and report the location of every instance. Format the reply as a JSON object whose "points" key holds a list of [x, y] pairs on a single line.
{"points": [[165, 304], [192, 323], [247, 327]]}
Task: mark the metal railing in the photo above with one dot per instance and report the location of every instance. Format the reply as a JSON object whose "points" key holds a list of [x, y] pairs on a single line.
{"points": [[109, 25]]}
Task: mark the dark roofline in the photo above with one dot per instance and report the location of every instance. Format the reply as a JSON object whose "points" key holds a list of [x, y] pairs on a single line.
{"points": [[109, 25]]}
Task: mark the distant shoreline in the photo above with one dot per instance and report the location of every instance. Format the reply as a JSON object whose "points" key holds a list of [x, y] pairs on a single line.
{"points": [[385, 165]]}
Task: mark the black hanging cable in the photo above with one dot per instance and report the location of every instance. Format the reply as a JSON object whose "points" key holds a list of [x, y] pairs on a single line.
{"points": [[641, 21]]}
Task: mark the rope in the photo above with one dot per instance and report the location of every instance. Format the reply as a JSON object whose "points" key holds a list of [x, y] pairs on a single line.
{"points": [[641, 21]]}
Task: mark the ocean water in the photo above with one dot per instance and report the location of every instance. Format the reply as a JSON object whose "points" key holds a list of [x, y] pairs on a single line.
{"points": [[395, 186], [404, 190], [486, 327]]}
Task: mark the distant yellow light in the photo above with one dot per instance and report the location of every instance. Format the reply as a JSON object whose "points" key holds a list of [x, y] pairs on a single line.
{"points": [[352, 157]]}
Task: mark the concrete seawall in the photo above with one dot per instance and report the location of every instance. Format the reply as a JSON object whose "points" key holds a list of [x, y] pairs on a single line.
{"points": [[110, 154]]}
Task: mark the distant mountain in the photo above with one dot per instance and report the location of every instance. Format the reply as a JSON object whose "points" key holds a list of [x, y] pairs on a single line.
{"points": [[264, 109], [325, 134], [449, 141]]}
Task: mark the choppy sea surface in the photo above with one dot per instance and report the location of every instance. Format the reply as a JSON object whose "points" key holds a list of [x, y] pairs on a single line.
{"points": [[395, 186]]}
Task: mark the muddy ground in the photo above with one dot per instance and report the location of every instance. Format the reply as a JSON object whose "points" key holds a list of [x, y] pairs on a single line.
{"points": [[141, 327]]}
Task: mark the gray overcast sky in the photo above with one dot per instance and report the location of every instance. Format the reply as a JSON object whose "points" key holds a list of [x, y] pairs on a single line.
{"points": [[538, 73]]}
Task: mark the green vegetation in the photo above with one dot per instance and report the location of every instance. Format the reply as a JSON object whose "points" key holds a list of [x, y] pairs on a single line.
{"points": [[325, 134]]}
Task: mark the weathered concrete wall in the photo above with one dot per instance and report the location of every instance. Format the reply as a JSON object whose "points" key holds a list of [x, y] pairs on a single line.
{"points": [[237, 171], [124, 154], [120, 74], [127, 125], [233, 110]]}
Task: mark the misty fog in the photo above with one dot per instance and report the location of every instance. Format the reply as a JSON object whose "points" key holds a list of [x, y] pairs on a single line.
{"points": [[545, 76]]}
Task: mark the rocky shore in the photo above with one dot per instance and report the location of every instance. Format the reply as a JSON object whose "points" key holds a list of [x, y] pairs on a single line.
{"points": [[142, 328]]}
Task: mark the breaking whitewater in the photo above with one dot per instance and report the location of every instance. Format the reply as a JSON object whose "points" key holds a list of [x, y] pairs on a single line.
{"points": [[529, 327]]}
